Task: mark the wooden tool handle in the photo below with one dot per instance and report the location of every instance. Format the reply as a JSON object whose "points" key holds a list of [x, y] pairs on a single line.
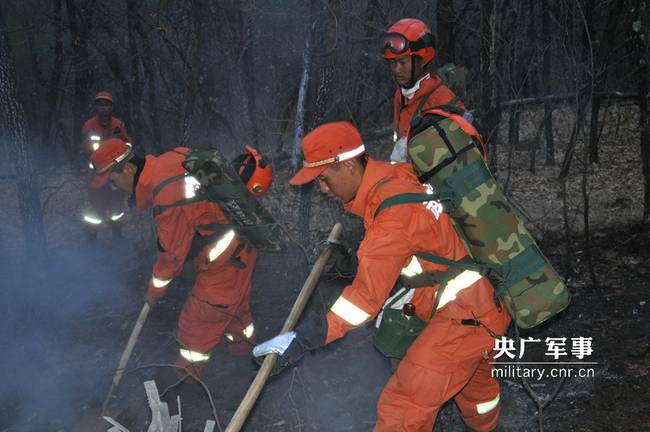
{"points": [[263, 374], [135, 333]]}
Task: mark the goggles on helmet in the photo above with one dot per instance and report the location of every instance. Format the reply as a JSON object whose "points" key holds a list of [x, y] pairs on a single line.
{"points": [[397, 43]]}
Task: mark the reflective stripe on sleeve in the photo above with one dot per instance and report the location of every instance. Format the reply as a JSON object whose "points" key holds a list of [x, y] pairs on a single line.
{"points": [[456, 285], [221, 245], [159, 283], [191, 186], [194, 356], [412, 268], [249, 330], [349, 312], [486, 407]]}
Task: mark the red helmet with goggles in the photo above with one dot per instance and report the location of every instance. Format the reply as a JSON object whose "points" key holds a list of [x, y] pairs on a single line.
{"points": [[254, 171], [407, 37]]}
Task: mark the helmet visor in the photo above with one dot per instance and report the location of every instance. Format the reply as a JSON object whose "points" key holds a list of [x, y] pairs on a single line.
{"points": [[394, 42]]}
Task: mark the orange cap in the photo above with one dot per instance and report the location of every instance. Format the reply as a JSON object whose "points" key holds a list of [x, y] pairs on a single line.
{"points": [[104, 95], [326, 145], [110, 153]]}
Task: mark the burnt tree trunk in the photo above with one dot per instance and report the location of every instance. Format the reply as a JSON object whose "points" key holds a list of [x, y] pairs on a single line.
{"points": [[134, 85], [53, 84], [150, 77], [489, 94], [445, 29], [546, 85], [198, 8], [301, 103], [602, 58], [12, 125], [80, 23], [323, 92], [642, 51]]}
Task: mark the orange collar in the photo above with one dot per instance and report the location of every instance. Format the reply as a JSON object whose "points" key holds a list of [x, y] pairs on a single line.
{"points": [[374, 173]]}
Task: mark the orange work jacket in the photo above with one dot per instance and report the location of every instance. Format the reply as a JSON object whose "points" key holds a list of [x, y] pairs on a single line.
{"points": [[93, 126], [177, 226], [389, 245], [404, 109]]}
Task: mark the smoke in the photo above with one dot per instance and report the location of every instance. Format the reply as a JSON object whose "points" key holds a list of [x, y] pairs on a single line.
{"points": [[53, 330]]}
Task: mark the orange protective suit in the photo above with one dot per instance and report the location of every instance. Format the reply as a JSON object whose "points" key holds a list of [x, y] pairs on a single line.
{"points": [[105, 205], [449, 359], [218, 304], [404, 108]]}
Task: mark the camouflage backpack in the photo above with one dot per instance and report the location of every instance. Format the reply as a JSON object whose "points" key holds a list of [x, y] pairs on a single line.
{"points": [[455, 78], [444, 151]]}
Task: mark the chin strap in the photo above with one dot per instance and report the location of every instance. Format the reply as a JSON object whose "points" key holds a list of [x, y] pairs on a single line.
{"points": [[409, 92]]}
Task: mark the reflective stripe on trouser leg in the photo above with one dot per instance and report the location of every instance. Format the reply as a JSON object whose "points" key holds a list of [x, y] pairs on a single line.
{"points": [[249, 331], [159, 283], [488, 406], [194, 356], [478, 402]]}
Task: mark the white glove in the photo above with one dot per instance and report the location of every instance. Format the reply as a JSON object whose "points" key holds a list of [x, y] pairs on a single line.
{"points": [[399, 151], [277, 344]]}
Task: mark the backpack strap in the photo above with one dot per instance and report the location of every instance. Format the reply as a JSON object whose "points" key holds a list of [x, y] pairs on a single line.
{"points": [[162, 207], [405, 198], [418, 109], [454, 267]]}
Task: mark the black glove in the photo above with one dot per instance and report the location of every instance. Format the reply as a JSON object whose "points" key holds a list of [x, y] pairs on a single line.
{"points": [[341, 262], [291, 346]]}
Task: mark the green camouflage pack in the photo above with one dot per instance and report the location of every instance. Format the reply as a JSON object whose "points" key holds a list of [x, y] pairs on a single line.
{"points": [[454, 77], [221, 184], [443, 150]]}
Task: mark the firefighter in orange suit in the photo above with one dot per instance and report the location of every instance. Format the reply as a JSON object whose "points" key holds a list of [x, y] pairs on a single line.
{"points": [[450, 359], [106, 206], [408, 47], [219, 303]]}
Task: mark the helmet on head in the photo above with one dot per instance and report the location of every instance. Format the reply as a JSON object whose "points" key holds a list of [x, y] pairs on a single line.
{"points": [[407, 37], [254, 171]]}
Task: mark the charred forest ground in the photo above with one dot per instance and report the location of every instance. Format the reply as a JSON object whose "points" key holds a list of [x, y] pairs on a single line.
{"points": [[63, 335]]}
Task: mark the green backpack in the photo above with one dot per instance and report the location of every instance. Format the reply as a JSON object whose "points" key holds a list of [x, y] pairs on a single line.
{"points": [[220, 183]]}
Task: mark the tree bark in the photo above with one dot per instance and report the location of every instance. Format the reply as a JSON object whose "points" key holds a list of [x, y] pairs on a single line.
{"points": [[489, 103], [445, 30], [546, 85], [80, 23], [642, 48], [135, 84], [606, 40], [12, 123], [323, 92]]}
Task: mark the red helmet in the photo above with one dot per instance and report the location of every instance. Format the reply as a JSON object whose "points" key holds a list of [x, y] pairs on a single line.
{"points": [[407, 37], [254, 170]]}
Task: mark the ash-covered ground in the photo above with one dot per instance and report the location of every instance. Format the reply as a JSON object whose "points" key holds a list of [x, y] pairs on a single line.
{"points": [[56, 378], [64, 325]]}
